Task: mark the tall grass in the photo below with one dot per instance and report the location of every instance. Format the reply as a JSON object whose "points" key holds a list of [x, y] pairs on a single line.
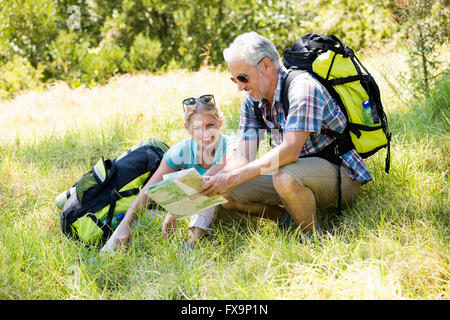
{"points": [[392, 244]]}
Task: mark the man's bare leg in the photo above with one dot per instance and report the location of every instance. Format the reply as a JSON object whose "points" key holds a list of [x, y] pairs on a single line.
{"points": [[298, 200]]}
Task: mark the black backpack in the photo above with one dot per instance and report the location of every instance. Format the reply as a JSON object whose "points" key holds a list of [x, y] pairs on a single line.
{"points": [[105, 191], [339, 70]]}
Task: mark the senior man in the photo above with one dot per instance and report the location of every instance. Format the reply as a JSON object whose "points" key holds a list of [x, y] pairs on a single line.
{"points": [[298, 172]]}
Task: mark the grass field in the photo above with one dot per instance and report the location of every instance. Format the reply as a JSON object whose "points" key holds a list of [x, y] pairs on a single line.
{"points": [[392, 244]]}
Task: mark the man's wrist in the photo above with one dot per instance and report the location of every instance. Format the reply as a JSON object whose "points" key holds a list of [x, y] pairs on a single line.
{"points": [[236, 176]]}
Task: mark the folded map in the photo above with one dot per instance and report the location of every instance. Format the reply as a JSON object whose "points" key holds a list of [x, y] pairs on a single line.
{"points": [[178, 194]]}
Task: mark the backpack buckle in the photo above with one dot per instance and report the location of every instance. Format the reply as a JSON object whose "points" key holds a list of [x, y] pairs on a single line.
{"points": [[348, 52]]}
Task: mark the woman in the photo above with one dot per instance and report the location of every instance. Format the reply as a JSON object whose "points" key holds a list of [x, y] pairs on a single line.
{"points": [[204, 150]]}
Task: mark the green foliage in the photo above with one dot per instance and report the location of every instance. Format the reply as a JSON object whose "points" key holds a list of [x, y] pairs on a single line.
{"points": [[144, 53], [358, 23], [67, 53], [27, 28], [426, 24], [18, 74], [102, 63], [89, 41]]}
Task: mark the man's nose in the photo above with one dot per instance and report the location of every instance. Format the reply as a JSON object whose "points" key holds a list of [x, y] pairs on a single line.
{"points": [[241, 85]]}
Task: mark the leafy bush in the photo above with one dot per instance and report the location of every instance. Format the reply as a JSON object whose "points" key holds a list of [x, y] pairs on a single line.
{"points": [[144, 53], [27, 28], [113, 37], [426, 24], [357, 23], [68, 52], [102, 63], [18, 74]]}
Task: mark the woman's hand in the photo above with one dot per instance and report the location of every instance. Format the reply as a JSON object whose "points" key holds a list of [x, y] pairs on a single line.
{"points": [[123, 235], [169, 225]]}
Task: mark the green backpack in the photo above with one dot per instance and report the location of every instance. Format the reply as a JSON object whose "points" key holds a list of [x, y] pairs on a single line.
{"points": [[337, 67], [339, 70], [98, 198]]}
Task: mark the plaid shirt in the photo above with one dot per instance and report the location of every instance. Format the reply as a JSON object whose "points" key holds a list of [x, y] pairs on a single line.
{"points": [[311, 109]]}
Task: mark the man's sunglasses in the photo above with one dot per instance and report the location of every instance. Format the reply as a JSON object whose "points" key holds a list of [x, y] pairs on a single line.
{"points": [[203, 99], [243, 78]]}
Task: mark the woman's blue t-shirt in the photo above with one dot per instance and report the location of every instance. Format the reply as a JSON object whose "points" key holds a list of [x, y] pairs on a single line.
{"points": [[183, 154]]}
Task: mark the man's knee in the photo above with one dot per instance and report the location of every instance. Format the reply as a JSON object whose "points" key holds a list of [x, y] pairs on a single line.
{"points": [[283, 181], [287, 187]]}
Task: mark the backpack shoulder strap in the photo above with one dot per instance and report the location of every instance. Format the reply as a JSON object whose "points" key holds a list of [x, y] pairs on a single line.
{"points": [[342, 139], [285, 90], [259, 117], [262, 123], [284, 98]]}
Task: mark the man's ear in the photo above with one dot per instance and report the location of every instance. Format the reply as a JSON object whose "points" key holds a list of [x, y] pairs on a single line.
{"points": [[267, 64]]}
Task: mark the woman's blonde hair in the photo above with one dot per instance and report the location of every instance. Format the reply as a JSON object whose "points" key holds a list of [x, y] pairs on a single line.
{"points": [[209, 108]]}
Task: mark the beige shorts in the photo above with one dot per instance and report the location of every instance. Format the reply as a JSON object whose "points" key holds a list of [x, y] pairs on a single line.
{"points": [[317, 174]]}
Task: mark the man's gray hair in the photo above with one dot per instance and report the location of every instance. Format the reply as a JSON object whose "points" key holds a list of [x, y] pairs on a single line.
{"points": [[252, 47]]}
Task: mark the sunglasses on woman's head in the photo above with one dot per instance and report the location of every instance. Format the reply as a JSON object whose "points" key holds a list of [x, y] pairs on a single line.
{"points": [[203, 99]]}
